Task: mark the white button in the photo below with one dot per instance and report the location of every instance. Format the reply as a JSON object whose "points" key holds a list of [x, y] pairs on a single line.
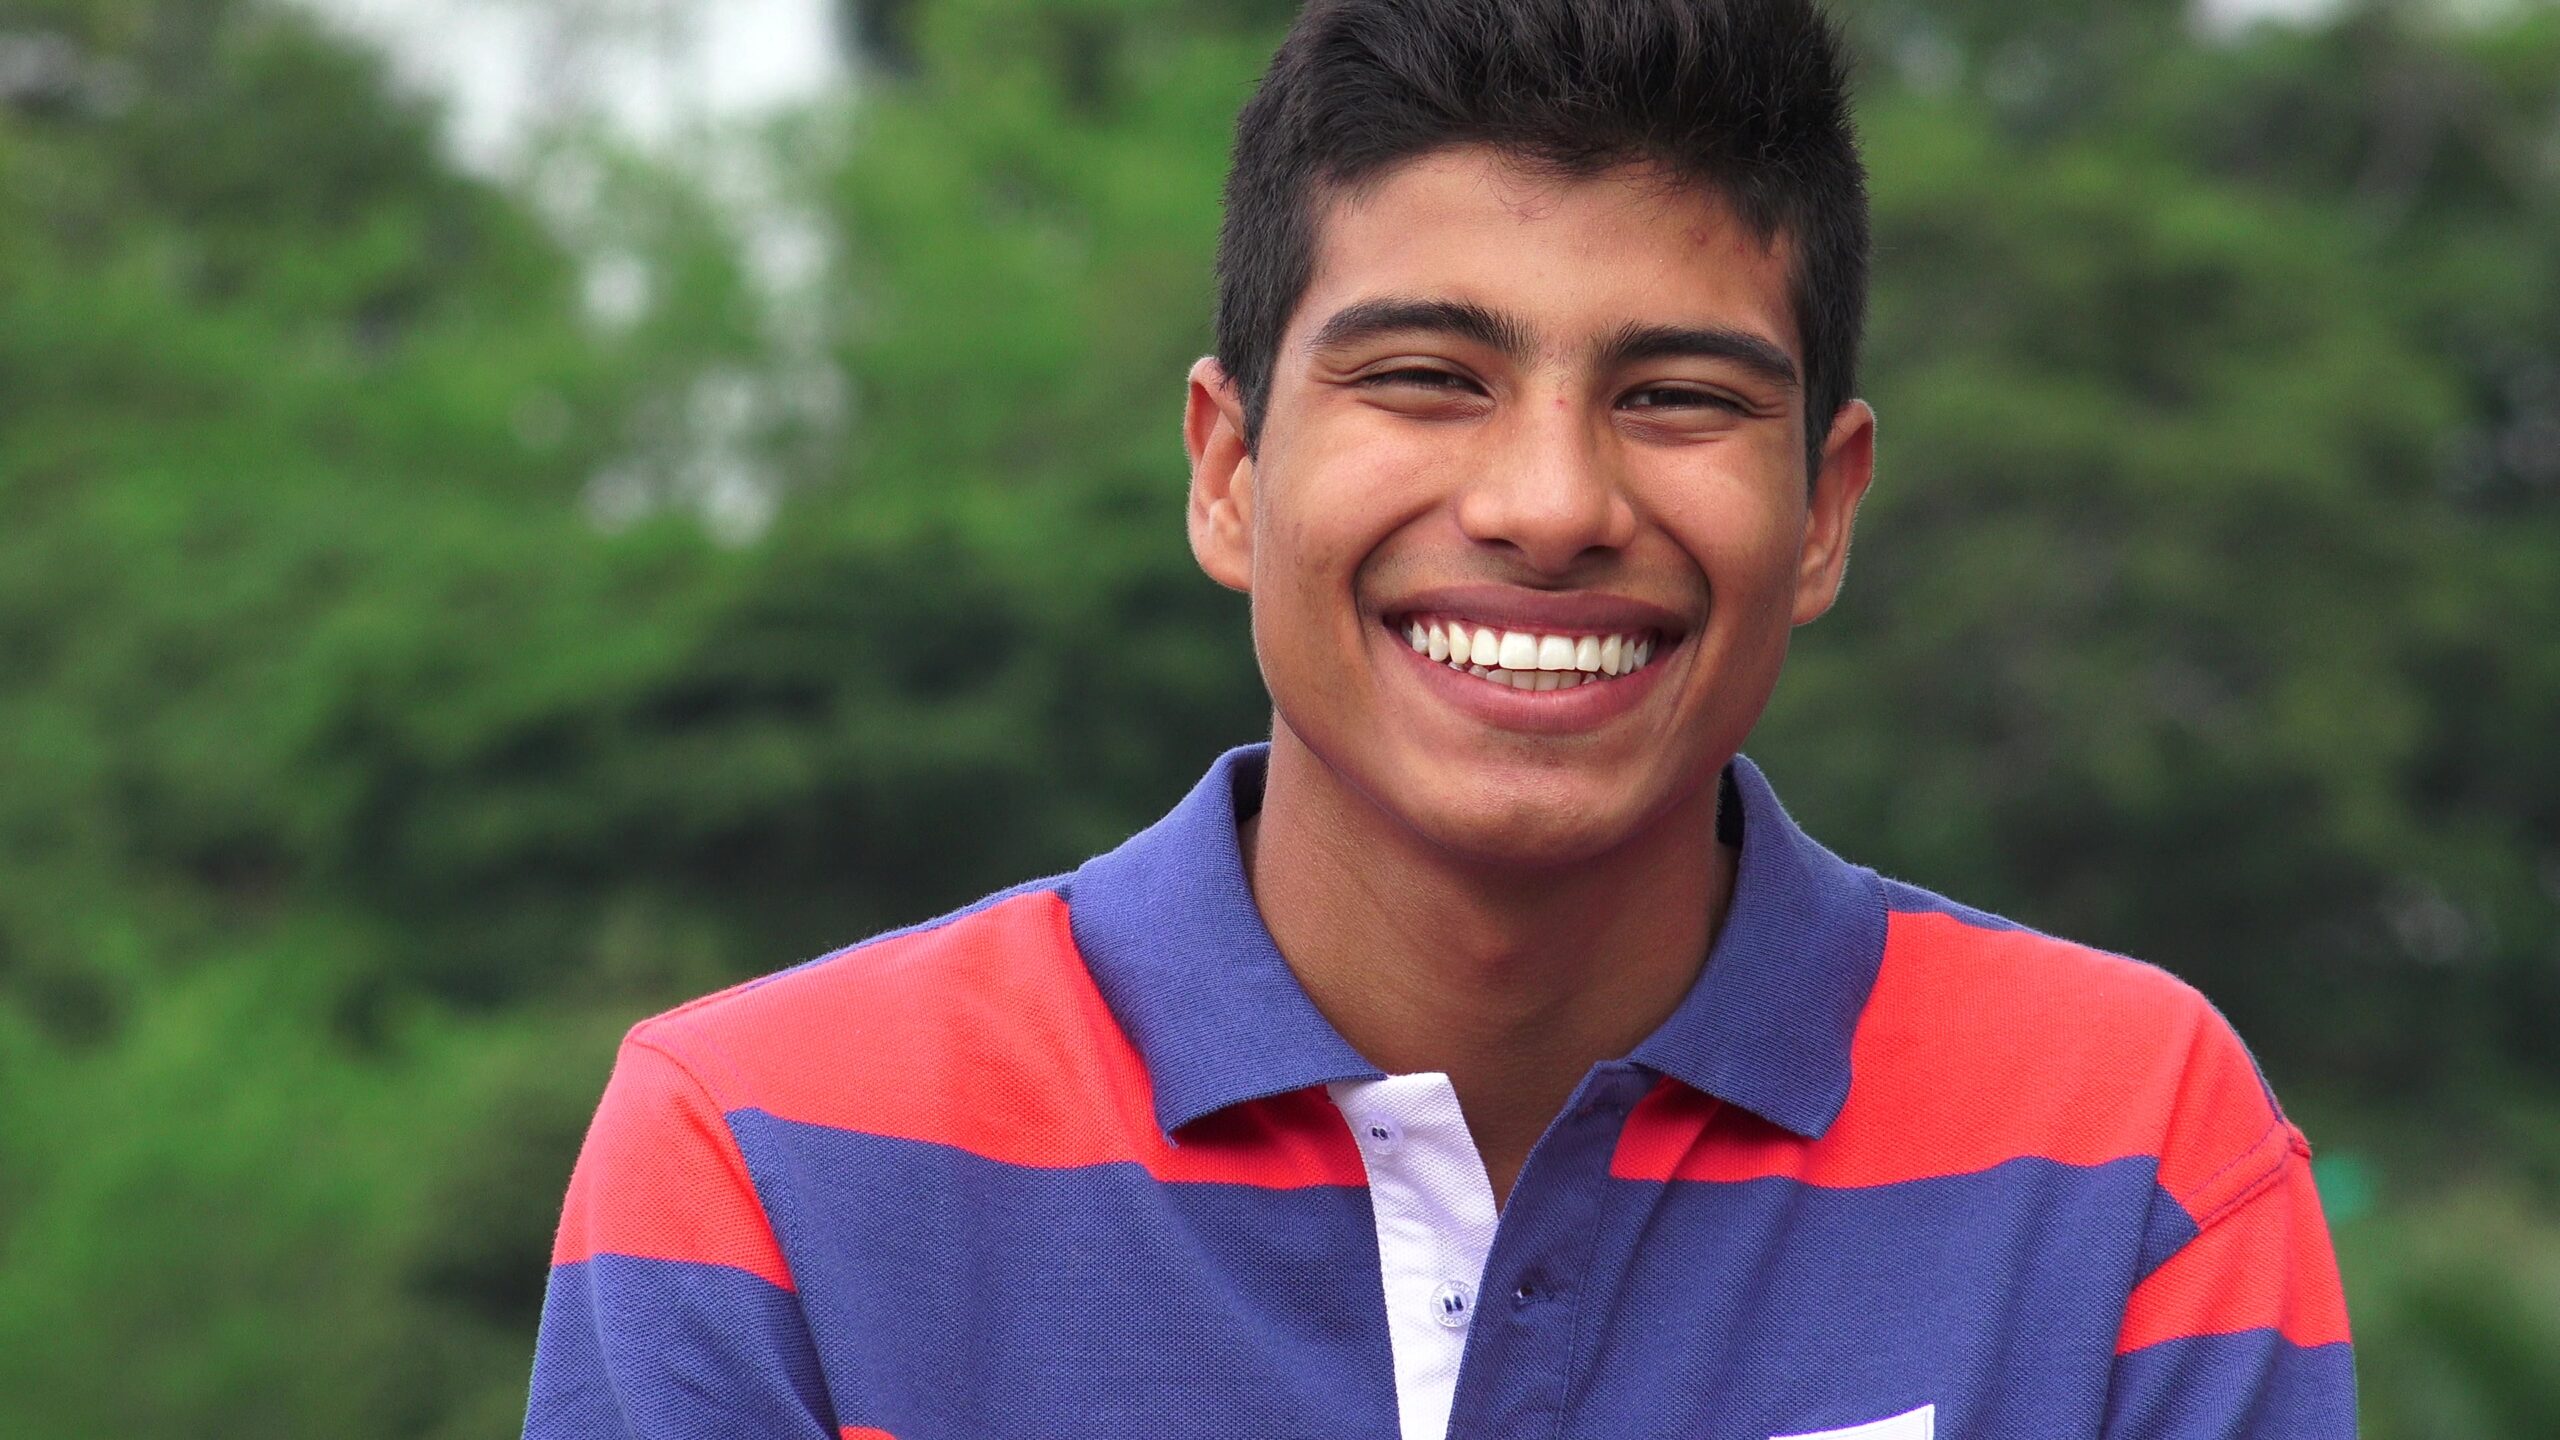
{"points": [[1452, 1304], [1378, 1136]]}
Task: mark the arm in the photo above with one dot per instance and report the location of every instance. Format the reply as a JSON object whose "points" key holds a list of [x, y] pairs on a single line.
{"points": [[671, 1312], [2240, 1331]]}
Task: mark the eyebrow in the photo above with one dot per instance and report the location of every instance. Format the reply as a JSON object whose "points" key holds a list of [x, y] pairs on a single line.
{"points": [[1755, 353], [1369, 319], [1627, 345]]}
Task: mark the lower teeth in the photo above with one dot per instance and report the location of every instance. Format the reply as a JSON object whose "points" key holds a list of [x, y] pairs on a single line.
{"points": [[1569, 678]]}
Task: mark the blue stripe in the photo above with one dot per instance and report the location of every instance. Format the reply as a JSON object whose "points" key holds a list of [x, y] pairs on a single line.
{"points": [[1741, 1310], [970, 1299], [2254, 1383], [2169, 1230], [634, 1348]]}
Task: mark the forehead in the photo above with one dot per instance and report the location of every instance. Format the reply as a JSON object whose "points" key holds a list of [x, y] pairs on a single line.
{"points": [[1574, 256]]}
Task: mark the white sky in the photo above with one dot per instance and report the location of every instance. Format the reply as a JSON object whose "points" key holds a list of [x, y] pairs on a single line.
{"points": [[651, 65], [655, 65], [2229, 15]]}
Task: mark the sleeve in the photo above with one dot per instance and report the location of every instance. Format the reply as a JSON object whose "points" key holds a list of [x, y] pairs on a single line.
{"points": [[2239, 1331], [670, 1311]]}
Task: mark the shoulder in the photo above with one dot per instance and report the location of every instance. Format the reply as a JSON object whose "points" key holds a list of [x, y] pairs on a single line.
{"points": [[2018, 993], [1993, 1041], [914, 997]]}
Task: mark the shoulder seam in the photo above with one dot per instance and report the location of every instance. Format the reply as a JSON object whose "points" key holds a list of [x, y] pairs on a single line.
{"points": [[2255, 1188], [684, 1066], [738, 1151], [2291, 1145]]}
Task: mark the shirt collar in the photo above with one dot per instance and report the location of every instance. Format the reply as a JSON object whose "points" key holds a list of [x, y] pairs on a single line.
{"points": [[1768, 1024], [1168, 927]]}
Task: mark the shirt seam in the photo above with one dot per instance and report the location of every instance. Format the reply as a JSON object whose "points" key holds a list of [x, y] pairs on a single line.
{"points": [[2258, 1184], [2257, 1148], [2259, 1189], [755, 1192]]}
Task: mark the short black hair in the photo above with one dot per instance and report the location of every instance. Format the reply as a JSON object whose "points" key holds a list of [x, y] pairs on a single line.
{"points": [[1747, 98]]}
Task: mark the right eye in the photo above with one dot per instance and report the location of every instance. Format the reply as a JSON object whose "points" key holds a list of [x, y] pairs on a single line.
{"points": [[1421, 377]]}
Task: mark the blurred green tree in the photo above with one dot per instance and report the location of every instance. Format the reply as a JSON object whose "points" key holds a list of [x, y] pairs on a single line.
{"points": [[296, 423]]}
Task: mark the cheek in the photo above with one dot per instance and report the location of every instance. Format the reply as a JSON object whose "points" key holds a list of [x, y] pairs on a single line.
{"points": [[1304, 559], [1299, 561], [1745, 546], [1341, 514]]}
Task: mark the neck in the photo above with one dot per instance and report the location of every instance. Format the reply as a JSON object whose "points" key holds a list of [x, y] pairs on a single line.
{"points": [[1513, 983]]}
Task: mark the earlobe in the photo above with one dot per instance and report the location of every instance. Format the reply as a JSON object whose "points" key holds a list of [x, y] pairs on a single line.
{"points": [[1220, 512], [1848, 467]]}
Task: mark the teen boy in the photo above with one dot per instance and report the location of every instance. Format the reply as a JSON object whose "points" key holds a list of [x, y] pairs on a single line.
{"points": [[1490, 1055]]}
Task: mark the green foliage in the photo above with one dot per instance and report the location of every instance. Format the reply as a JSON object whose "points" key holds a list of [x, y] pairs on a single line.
{"points": [[276, 538], [2218, 503], [2457, 1311], [362, 784]]}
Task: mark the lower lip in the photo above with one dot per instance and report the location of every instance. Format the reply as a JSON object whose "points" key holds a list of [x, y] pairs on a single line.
{"points": [[1586, 706]]}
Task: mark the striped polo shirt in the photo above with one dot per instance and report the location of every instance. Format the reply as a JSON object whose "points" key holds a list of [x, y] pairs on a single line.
{"points": [[1084, 1161]]}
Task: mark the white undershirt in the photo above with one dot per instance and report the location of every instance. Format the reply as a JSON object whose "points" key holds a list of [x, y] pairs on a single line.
{"points": [[1435, 1217]]}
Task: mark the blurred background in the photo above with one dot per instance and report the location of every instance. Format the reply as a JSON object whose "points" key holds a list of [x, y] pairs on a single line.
{"points": [[514, 514]]}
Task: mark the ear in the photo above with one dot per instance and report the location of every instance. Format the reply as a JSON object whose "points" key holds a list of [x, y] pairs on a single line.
{"points": [[1221, 509], [1848, 465]]}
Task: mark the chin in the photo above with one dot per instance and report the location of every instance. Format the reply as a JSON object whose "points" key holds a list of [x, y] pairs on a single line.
{"points": [[1525, 830]]}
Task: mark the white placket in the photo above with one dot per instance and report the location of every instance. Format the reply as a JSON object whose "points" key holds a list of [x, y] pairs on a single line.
{"points": [[1435, 1218]]}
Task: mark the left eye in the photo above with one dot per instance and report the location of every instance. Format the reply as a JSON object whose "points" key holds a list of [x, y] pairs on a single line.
{"points": [[1665, 397], [1417, 377]]}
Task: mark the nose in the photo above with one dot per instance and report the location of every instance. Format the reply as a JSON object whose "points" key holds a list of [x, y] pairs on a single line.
{"points": [[1549, 490]]}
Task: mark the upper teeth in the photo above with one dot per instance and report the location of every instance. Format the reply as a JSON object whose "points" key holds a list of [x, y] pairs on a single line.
{"points": [[1525, 658]]}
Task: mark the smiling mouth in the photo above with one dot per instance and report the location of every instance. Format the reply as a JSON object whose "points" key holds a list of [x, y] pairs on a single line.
{"points": [[1529, 659]]}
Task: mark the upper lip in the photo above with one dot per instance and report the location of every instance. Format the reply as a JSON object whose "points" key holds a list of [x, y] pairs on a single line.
{"points": [[1550, 611]]}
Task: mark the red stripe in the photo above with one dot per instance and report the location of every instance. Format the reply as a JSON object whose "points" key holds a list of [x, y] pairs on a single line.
{"points": [[2265, 1265], [1983, 1046], [661, 1178], [987, 1034], [856, 1432]]}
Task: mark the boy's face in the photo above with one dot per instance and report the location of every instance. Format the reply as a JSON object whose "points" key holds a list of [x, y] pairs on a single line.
{"points": [[1540, 413]]}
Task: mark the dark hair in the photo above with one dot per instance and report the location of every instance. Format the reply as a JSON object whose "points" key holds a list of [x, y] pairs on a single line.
{"points": [[1748, 98]]}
